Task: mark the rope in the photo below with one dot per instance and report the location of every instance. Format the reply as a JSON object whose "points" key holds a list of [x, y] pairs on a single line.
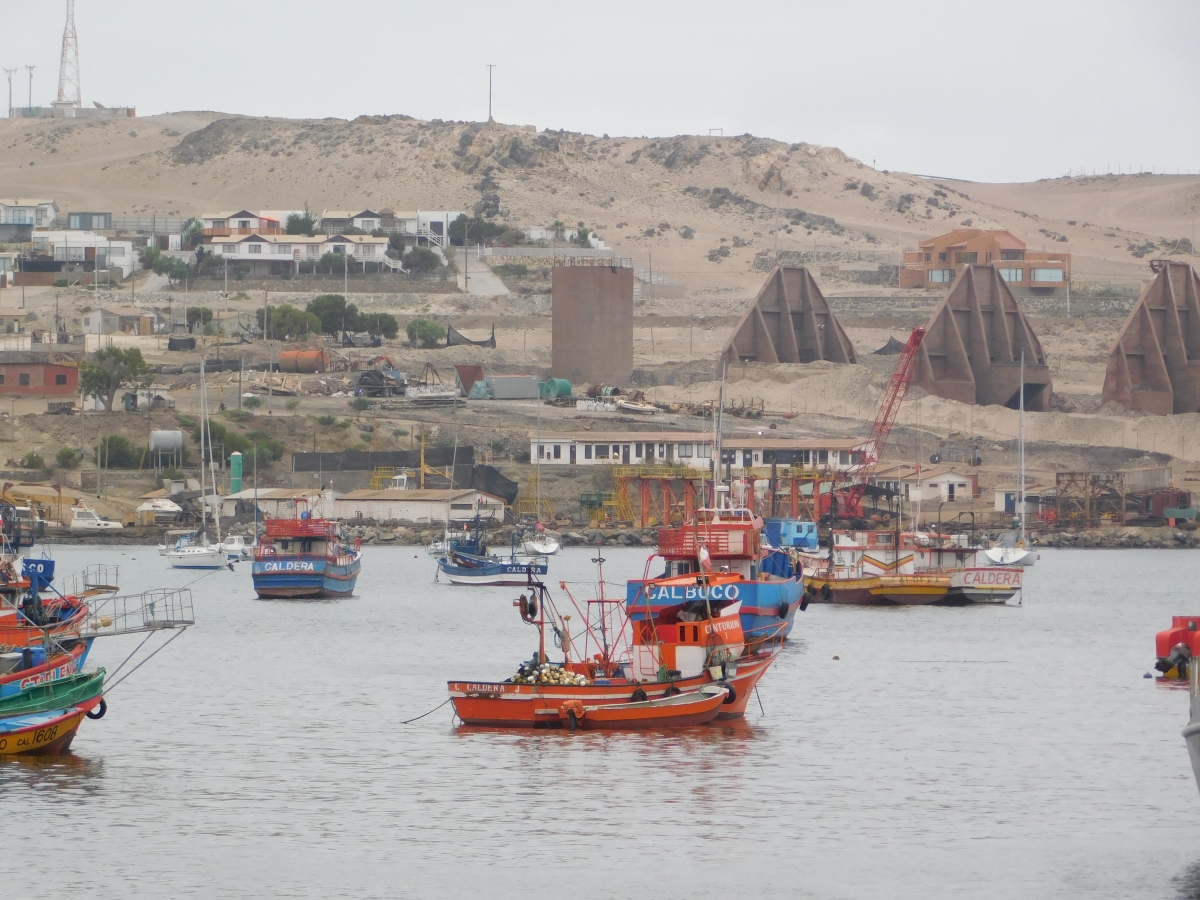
{"points": [[423, 715], [148, 658], [131, 655], [759, 699]]}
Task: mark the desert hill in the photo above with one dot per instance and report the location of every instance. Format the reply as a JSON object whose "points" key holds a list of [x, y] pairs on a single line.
{"points": [[700, 208]]}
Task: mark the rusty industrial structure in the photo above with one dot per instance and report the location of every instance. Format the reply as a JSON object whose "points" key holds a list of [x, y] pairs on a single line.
{"points": [[789, 322], [592, 325], [974, 343], [1153, 366]]}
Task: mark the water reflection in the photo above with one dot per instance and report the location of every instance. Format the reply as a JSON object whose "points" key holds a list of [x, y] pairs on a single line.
{"points": [[1189, 882], [65, 772]]}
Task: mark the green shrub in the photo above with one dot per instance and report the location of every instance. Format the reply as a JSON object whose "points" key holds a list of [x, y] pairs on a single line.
{"points": [[326, 421], [252, 402], [424, 333], [32, 460], [360, 404], [67, 457], [115, 452], [60, 282], [422, 259], [367, 437], [512, 270], [235, 415], [345, 423], [292, 405]]}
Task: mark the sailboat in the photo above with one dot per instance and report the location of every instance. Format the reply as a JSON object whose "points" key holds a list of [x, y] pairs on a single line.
{"points": [[194, 551], [1011, 548], [541, 544]]}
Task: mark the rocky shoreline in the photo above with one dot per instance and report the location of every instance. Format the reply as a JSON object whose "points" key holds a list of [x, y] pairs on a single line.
{"points": [[408, 535]]}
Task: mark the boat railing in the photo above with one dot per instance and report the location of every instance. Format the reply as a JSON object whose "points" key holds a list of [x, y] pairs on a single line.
{"points": [[95, 579], [152, 610], [264, 554], [298, 528]]}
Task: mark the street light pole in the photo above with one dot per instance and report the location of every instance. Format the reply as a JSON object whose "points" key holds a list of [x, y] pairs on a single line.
{"points": [[30, 69], [490, 67]]}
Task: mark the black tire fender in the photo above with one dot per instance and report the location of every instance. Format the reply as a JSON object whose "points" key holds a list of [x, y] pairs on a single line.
{"points": [[784, 609], [732, 698], [638, 696], [99, 711], [672, 691]]}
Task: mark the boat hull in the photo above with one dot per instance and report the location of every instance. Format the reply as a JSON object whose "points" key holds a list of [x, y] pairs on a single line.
{"points": [[213, 557], [499, 573], [1011, 556], [42, 734], [59, 694], [850, 591], [56, 668], [21, 636], [680, 711], [284, 578], [993, 584], [504, 704], [911, 590], [768, 610]]}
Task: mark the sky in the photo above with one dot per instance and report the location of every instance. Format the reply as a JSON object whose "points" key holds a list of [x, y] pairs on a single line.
{"points": [[985, 92]]}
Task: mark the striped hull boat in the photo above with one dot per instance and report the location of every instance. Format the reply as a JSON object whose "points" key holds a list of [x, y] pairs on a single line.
{"points": [[42, 734]]}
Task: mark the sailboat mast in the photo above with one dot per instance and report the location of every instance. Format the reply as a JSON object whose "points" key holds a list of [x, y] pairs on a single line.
{"points": [[1021, 453], [203, 421]]}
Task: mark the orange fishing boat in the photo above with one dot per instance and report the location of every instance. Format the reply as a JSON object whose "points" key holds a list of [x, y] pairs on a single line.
{"points": [[684, 648], [691, 708]]}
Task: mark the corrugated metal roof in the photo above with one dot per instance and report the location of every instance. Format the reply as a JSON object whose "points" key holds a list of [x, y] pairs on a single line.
{"points": [[398, 495]]}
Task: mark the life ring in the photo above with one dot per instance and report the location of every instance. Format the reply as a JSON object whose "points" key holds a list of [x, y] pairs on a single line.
{"points": [[99, 711], [732, 698], [638, 696]]}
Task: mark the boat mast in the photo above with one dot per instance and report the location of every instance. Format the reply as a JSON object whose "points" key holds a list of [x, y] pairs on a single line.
{"points": [[1021, 457], [717, 424], [203, 422]]}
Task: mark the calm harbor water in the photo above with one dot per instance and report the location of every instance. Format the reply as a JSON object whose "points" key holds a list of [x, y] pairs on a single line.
{"points": [[982, 752]]}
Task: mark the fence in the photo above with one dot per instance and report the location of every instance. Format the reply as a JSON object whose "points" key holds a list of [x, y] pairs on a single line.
{"points": [[152, 224]]}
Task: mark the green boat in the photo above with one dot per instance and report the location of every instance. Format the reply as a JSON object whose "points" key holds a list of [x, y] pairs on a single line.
{"points": [[53, 694]]}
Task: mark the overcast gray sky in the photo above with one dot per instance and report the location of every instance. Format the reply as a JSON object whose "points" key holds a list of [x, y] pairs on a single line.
{"points": [[989, 92]]}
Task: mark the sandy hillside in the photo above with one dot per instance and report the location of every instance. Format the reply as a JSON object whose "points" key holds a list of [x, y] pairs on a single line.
{"points": [[737, 197]]}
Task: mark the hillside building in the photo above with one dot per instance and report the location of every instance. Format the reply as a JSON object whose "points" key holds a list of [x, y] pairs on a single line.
{"points": [[937, 261]]}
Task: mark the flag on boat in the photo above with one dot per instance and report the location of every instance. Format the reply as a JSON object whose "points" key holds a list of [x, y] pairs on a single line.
{"points": [[705, 559]]}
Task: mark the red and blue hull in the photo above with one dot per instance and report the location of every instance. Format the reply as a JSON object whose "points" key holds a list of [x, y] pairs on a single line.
{"points": [[768, 609], [284, 577]]}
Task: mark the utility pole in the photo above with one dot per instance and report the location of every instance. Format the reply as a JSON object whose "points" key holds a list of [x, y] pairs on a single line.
{"points": [[30, 69], [490, 67], [10, 73]]}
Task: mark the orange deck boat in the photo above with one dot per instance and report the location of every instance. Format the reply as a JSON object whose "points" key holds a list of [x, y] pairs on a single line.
{"points": [[692, 708]]}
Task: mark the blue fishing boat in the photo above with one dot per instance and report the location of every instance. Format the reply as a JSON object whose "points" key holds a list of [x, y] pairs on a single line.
{"points": [[305, 557], [724, 542]]}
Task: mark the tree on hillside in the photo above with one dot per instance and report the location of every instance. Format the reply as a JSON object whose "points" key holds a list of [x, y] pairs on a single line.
{"points": [[298, 223], [288, 323], [477, 230], [201, 315], [331, 262], [111, 369], [335, 313], [421, 259], [149, 256], [379, 323], [424, 333]]}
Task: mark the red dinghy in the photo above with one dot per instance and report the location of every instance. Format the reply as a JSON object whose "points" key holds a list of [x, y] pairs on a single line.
{"points": [[692, 708]]}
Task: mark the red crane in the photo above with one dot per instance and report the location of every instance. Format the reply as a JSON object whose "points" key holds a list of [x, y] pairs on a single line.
{"points": [[854, 483]]}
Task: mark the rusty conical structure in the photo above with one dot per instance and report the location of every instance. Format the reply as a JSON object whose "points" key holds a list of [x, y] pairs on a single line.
{"points": [[973, 345], [1155, 365], [790, 322]]}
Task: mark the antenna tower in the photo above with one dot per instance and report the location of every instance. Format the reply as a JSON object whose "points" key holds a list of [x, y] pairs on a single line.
{"points": [[69, 93]]}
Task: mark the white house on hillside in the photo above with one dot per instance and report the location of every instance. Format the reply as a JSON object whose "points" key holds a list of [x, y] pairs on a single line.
{"points": [[28, 211], [276, 254]]}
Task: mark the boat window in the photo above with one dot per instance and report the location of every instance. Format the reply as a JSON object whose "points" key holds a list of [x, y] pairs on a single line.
{"points": [[682, 632], [696, 633]]}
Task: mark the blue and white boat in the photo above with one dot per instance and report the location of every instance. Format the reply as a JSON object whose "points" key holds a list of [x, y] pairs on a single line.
{"points": [[514, 569], [724, 542], [305, 557]]}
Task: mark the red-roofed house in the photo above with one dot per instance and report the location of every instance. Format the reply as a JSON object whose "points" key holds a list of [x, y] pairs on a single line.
{"points": [[937, 261]]}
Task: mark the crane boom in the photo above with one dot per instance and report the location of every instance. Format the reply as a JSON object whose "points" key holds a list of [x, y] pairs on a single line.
{"points": [[885, 417]]}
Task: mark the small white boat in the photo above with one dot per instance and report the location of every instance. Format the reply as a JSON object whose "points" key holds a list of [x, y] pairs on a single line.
{"points": [[237, 547], [542, 545], [84, 518], [634, 406], [1010, 550], [192, 553]]}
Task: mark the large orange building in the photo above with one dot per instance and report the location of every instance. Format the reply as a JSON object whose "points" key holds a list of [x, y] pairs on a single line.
{"points": [[937, 261]]}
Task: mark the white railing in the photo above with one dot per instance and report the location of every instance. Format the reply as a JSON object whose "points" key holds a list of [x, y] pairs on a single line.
{"points": [[394, 265], [438, 240]]}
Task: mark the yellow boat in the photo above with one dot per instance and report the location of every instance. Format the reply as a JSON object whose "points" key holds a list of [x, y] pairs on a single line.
{"points": [[911, 590]]}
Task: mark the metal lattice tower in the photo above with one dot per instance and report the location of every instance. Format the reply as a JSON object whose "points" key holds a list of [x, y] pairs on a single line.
{"points": [[69, 93]]}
